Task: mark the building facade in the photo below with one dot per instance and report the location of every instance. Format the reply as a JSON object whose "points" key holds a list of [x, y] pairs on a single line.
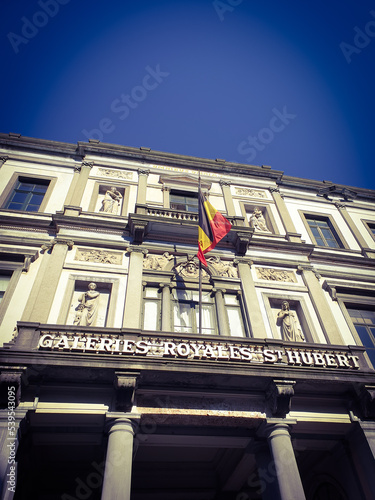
{"points": [[108, 391]]}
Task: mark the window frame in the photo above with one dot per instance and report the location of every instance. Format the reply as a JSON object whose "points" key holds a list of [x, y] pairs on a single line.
{"points": [[100, 186], [370, 226], [339, 238], [186, 194], [11, 186], [215, 327]]}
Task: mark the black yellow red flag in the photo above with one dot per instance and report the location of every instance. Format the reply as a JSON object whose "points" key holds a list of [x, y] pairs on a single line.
{"points": [[213, 226]]}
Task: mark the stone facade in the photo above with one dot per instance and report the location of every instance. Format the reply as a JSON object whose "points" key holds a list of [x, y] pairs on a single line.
{"points": [[112, 383]]}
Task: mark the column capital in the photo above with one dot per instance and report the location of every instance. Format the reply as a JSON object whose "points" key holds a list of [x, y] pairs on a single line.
{"points": [[12, 377], [134, 249], [340, 206], [166, 285], [89, 164], [243, 260], [122, 423], [143, 171], [3, 159], [48, 247], [224, 182], [219, 290]]}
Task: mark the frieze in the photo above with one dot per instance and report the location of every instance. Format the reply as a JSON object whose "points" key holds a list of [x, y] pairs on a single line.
{"points": [[98, 256], [267, 273], [156, 262], [222, 268], [148, 347], [117, 174], [253, 193]]}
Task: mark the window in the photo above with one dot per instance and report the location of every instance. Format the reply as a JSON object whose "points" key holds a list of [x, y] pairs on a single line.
{"points": [[186, 312], [27, 194], [323, 231], [186, 201], [364, 322], [4, 282], [234, 313], [152, 309]]}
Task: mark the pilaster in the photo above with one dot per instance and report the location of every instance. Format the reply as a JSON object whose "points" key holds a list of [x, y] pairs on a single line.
{"points": [[321, 306], [42, 294], [73, 200], [142, 186], [225, 187], [166, 307], [222, 318], [251, 300], [287, 221], [133, 298], [367, 252]]}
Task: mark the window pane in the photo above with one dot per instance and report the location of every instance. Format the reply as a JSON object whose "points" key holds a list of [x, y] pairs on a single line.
{"points": [[235, 321], [364, 336], [208, 319], [4, 282], [27, 196], [182, 317], [151, 315]]}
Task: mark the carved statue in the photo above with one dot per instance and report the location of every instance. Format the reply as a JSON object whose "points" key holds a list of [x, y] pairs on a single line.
{"points": [[111, 201], [87, 310], [287, 320], [258, 222]]}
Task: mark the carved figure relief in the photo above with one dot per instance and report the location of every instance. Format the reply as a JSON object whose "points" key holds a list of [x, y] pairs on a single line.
{"points": [[106, 172], [258, 222], [98, 256], [156, 262], [288, 323], [223, 268], [250, 192], [275, 275], [111, 201], [87, 309], [189, 269]]}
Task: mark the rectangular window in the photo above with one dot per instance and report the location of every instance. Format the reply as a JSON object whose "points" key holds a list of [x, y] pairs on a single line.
{"points": [[364, 322], [186, 312], [152, 309], [323, 231], [27, 194], [234, 313], [185, 201], [4, 282]]}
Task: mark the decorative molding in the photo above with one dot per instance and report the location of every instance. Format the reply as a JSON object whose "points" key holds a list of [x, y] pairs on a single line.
{"points": [[366, 395], [3, 159], [223, 268], [116, 174], [279, 396], [190, 270], [29, 259], [89, 164], [98, 256], [223, 182], [270, 274], [11, 377], [330, 289], [156, 262], [50, 245], [347, 194], [253, 193]]}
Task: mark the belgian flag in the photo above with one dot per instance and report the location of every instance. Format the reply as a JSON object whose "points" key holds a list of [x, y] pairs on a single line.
{"points": [[213, 226]]}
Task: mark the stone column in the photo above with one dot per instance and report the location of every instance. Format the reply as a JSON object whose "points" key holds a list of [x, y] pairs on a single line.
{"points": [[326, 318], [225, 187], [287, 473], [251, 302], [118, 464], [142, 186], [361, 445], [42, 294], [133, 298], [74, 197], [269, 487], [290, 230], [166, 307], [366, 251], [222, 318]]}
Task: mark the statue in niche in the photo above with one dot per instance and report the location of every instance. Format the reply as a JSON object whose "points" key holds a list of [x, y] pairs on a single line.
{"points": [[223, 269], [287, 320], [111, 201], [87, 310], [258, 222], [156, 262]]}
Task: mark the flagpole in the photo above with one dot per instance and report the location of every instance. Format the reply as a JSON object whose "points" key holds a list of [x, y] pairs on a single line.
{"points": [[200, 278]]}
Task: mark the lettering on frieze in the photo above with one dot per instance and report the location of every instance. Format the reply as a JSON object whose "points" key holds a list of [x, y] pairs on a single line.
{"points": [[194, 350]]}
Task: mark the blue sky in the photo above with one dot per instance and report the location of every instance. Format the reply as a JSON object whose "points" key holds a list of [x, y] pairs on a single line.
{"points": [[287, 84]]}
